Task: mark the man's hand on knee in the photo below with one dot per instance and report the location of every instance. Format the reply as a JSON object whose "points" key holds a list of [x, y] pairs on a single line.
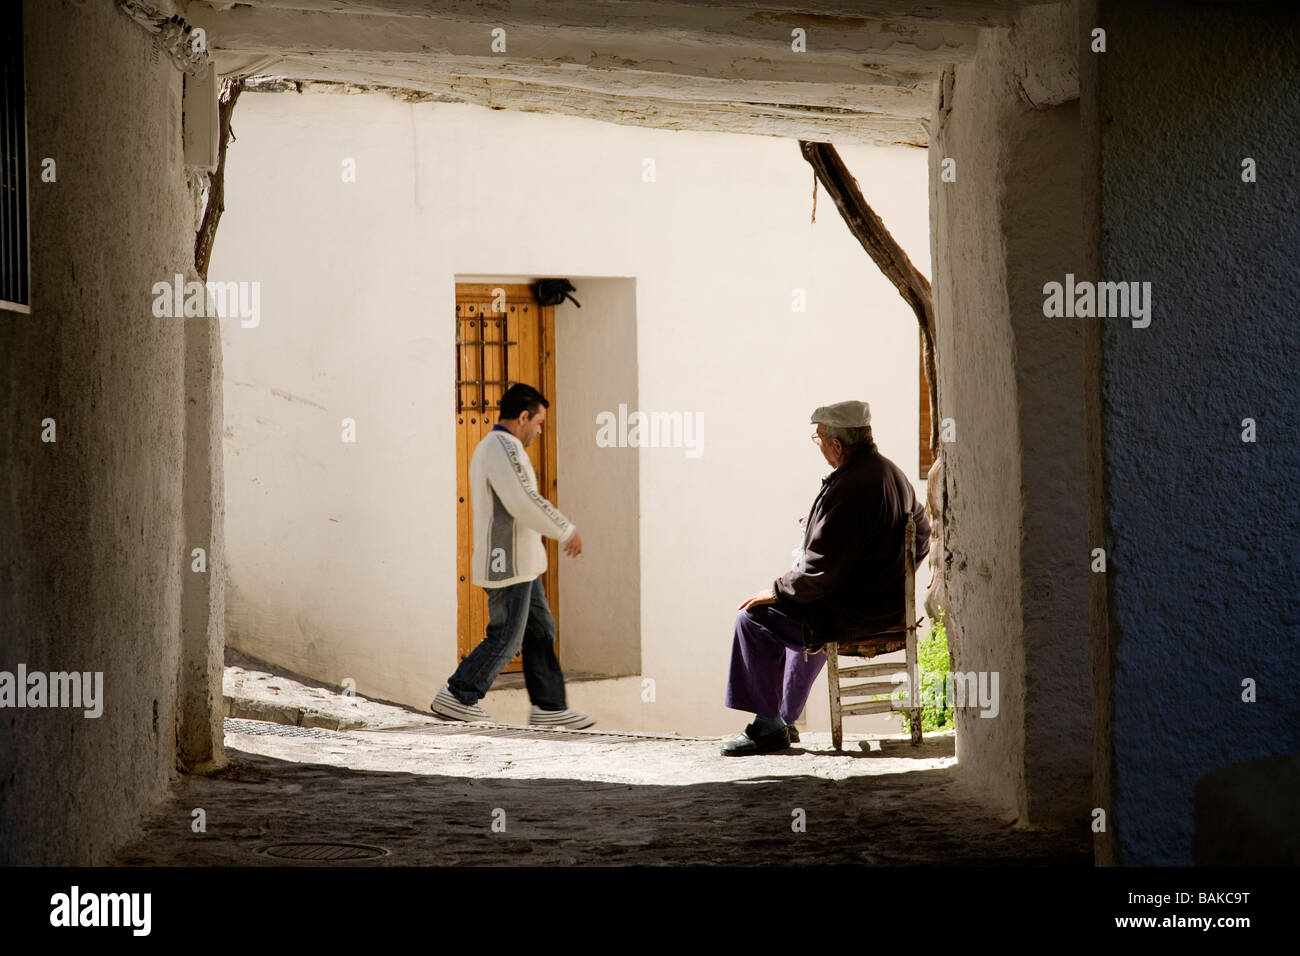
{"points": [[764, 596]]}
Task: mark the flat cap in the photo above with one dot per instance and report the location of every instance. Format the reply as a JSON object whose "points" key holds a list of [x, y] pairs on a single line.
{"points": [[843, 415]]}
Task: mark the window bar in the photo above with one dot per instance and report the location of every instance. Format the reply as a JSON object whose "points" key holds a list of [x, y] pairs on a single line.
{"points": [[505, 357], [482, 364], [460, 364]]}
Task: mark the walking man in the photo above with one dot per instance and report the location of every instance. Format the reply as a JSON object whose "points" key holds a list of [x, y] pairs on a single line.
{"points": [[510, 517]]}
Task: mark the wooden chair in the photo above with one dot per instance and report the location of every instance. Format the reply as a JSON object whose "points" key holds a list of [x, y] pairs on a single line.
{"points": [[882, 642]]}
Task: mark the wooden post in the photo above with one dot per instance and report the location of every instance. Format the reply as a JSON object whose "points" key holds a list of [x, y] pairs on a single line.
{"points": [[870, 230], [230, 90]]}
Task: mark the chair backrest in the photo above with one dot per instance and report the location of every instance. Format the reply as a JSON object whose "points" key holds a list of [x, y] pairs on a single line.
{"points": [[909, 545], [909, 573]]}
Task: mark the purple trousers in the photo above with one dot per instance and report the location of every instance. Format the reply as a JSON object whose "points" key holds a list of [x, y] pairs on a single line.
{"points": [[769, 675]]}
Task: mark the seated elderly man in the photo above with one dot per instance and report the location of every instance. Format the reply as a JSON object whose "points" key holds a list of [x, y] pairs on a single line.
{"points": [[847, 582]]}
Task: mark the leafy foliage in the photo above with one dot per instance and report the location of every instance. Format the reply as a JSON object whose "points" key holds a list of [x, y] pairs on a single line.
{"points": [[935, 664]]}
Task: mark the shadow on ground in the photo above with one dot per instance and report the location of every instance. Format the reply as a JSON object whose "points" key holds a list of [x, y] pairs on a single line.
{"points": [[749, 818]]}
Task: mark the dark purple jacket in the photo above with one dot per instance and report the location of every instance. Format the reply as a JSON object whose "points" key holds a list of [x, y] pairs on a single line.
{"points": [[850, 582]]}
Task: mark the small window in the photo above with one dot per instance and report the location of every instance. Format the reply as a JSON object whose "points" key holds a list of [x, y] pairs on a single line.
{"points": [[15, 292]]}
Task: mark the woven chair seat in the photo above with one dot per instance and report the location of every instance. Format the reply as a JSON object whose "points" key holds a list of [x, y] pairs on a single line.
{"points": [[882, 642], [885, 643]]}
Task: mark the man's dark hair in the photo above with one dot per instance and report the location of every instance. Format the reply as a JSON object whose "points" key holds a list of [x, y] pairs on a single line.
{"points": [[520, 398]]}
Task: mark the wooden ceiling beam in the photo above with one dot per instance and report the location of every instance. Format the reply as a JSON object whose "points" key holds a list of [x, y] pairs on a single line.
{"points": [[861, 127], [744, 46], [972, 13], [910, 100]]}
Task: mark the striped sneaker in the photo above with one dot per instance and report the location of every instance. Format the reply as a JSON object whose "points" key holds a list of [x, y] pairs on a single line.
{"points": [[558, 718], [446, 704]]}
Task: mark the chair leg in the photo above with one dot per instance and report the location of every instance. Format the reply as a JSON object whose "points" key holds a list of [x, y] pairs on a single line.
{"points": [[909, 619], [833, 682]]}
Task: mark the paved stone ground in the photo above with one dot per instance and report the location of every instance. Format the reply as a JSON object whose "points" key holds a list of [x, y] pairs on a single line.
{"points": [[428, 792]]}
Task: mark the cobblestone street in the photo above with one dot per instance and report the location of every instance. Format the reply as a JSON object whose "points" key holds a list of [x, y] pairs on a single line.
{"points": [[429, 792]]}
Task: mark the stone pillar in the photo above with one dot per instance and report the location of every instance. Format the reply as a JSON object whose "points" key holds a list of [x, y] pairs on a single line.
{"points": [[91, 554], [203, 606], [1007, 125]]}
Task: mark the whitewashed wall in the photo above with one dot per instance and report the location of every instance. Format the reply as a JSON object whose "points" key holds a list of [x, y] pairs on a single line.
{"points": [[342, 557]]}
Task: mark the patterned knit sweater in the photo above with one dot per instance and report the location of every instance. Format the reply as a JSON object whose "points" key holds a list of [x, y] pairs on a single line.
{"points": [[510, 514]]}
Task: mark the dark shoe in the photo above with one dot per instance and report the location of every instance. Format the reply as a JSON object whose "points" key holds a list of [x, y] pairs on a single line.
{"points": [[793, 732], [751, 742]]}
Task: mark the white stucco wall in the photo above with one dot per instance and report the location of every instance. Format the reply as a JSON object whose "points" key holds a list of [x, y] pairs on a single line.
{"points": [[93, 551], [595, 371], [1011, 381], [342, 556]]}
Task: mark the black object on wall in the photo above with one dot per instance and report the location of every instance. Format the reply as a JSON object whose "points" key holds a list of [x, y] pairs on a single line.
{"points": [[555, 291]]}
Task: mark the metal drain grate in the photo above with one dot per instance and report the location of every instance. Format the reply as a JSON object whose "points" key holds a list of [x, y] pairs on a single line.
{"points": [[322, 852], [530, 733], [238, 725]]}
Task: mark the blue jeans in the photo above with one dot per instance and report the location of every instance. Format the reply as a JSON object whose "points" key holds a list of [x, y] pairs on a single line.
{"points": [[518, 616]]}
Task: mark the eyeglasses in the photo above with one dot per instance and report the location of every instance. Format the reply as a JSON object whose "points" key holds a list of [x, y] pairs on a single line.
{"points": [[818, 438]]}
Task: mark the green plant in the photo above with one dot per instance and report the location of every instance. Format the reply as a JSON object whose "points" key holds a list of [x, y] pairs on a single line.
{"points": [[934, 663]]}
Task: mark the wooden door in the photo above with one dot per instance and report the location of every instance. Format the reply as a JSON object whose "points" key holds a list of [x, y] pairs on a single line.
{"points": [[502, 337]]}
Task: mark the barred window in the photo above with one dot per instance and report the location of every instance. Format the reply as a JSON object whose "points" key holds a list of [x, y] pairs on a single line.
{"points": [[15, 292]]}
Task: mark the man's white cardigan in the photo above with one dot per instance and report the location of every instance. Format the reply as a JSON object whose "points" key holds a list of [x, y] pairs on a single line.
{"points": [[510, 515]]}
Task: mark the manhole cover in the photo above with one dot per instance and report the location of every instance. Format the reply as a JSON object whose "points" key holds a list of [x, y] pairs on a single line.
{"points": [[323, 852]]}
